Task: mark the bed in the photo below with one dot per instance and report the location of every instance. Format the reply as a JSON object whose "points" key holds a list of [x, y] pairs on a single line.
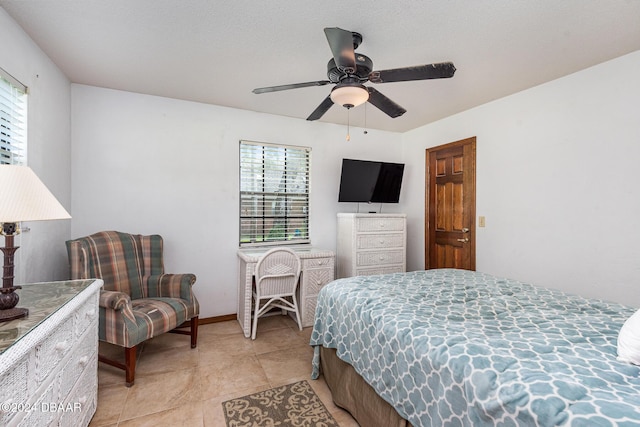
{"points": [[461, 348]]}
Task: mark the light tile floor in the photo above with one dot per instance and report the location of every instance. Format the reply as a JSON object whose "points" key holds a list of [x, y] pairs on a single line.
{"points": [[179, 386]]}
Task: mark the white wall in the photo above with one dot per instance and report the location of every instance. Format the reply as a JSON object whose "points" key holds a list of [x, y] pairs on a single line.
{"points": [[42, 255], [145, 164], [558, 175]]}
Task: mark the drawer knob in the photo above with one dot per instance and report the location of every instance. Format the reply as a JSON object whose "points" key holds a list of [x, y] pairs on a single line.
{"points": [[381, 242], [83, 360], [382, 225], [91, 313], [381, 257], [61, 346]]}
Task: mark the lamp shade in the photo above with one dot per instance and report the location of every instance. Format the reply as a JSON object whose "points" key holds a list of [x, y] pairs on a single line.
{"points": [[350, 95], [23, 197]]}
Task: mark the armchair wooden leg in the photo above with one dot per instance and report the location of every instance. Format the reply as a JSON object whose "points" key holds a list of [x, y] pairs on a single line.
{"points": [[194, 332], [130, 365], [192, 324]]}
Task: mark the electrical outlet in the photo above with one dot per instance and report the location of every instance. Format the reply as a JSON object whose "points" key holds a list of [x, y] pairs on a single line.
{"points": [[481, 221]]}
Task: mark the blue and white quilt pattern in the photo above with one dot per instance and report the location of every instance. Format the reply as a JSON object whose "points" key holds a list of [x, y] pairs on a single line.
{"points": [[458, 348]]}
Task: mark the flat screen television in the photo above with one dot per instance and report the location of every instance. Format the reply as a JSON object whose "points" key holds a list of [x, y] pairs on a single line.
{"points": [[370, 182]]}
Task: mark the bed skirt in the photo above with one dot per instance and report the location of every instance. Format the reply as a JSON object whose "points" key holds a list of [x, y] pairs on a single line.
{"points": [[350, 392]]}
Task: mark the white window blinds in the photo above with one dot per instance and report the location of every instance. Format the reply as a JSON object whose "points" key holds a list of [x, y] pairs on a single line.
{"points": [[13, 120], [274, 194]]}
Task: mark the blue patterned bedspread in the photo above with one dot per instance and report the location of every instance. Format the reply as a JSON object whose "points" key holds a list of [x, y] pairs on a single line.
{"points": [[460, 348]]}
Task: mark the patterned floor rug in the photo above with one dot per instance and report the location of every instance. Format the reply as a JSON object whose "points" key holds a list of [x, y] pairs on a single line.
{"points": [[290, 405]]}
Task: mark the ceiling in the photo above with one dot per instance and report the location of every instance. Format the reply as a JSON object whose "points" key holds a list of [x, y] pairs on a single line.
{"points": [[216, 52]]}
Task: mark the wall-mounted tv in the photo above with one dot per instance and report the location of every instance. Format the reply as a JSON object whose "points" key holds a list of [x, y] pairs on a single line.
{"points": [[370, 182]]}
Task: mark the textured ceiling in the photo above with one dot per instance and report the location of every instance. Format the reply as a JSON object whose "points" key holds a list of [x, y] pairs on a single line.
{"points": [[216, 52]]}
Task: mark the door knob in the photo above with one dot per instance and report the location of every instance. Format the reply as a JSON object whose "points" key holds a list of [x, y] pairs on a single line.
{"points": [[465, 240], [465, 230]]}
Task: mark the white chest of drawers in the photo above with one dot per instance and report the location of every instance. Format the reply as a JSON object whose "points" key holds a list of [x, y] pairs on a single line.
{"points": [[371, 244], [48, 360]]}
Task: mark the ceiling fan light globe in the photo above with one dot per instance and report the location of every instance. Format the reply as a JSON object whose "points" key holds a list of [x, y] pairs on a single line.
{"points": [[349, 96]]}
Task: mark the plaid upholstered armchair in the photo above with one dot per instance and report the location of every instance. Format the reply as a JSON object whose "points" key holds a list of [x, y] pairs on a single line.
{"points": [[139, 301]]}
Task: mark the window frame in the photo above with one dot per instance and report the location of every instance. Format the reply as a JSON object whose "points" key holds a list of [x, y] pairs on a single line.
{"points": [[259, 219], [13, 120]]}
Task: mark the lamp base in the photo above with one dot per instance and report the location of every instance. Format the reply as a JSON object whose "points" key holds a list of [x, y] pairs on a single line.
{"points": [[8, 296], [13, 313], [8, 301]]}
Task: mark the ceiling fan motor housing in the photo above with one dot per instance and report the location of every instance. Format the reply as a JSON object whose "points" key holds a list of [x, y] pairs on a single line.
{"points": [[364, 66]]}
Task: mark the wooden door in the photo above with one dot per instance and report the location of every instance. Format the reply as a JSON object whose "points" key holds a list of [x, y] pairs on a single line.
{"points": [[450, 211]]}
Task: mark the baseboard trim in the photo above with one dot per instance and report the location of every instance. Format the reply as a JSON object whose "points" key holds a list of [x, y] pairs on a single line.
{"points": [[216, 319]]}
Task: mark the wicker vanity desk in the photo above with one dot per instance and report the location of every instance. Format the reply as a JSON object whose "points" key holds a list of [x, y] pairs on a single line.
{"points": [[48, 360], [318, 269]]}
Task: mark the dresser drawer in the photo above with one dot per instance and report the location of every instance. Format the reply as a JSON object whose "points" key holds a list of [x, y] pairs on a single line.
{"points": [[379, 270], [53, 349], [379, 224], [380, 241], [315, 279], [366, 258], [41, 415], [307, 317], [83, 398], [85, 315], [317, 263], [82, 356], [14, 388]]}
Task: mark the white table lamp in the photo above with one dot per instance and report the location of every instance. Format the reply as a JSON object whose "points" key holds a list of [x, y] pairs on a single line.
{"points": [[23, 197]]}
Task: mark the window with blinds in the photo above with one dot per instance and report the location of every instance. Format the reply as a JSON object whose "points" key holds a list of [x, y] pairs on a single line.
{"points": [[13, 120], [274, 194]]}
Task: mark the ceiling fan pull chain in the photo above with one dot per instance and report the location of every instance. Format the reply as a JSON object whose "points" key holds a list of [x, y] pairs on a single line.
{"points": [[348, 125], [365, 118]]}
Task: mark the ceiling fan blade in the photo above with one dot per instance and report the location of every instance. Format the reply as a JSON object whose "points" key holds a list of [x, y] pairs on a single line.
{"points": [[341, 44], [441, 70], [291, 86], [322, 108], [384, 104]]}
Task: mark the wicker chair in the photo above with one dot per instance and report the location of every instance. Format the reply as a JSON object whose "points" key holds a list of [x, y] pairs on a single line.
{"points": [[138, 301], [275, 281]]}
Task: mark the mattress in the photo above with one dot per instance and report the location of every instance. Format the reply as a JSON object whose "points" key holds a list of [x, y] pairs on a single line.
{"points": [[461, 348]]}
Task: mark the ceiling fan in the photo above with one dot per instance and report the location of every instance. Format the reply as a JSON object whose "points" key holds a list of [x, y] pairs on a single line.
{"points": [[348, 70]]}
